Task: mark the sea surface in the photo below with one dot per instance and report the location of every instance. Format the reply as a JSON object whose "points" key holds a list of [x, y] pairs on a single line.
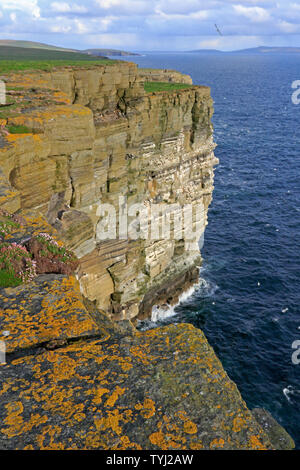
{"points": [[248, 298]]}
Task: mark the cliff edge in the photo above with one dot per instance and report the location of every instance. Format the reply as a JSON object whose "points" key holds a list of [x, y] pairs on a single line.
{"points": [[77, 144]]}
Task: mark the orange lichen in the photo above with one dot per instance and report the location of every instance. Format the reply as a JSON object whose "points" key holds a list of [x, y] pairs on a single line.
{"points": [[217, 444], [238, 424], [110, 402], [256, 443], [189, 427], [98, 393], [62, 315], [157, 438], [147, 409], [15, 422], [49, 434], [111, 421]]}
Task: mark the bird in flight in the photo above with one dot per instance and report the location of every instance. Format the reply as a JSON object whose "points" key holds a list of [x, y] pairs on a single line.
{"points": [[216, 26]]}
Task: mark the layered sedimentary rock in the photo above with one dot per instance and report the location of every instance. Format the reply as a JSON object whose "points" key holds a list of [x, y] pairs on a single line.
{"points": [[158, 75], [73, 141], [95, 138]]}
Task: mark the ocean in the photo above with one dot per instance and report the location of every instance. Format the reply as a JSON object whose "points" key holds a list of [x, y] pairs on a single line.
{"points": [[248, 298]]}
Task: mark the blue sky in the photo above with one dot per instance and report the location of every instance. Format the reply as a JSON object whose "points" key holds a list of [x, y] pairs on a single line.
{"points": [[141, 25]]}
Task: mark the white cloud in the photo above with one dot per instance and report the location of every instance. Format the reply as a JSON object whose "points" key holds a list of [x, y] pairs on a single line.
{"points": [[200, 15], [286, 27], [294, 6], [210, 44], [63, 7], [30, 6], [81, 27], [106, 4], [255, 14], [153, 24], [127, 7], [60, 28], [60, 7], [113, 40]]}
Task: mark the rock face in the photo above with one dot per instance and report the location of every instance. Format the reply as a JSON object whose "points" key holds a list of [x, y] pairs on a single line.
{"points": [[73, 378], [157, 75], [101, 140]]}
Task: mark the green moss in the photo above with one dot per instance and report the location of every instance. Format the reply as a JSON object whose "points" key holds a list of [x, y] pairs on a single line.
{"points": [[152, 87], [52, 248], [16, 265], [9, 279], [7, 225]]}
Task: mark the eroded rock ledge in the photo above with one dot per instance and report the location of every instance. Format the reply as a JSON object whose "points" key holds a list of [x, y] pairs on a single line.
{"points": [[76, 380]]}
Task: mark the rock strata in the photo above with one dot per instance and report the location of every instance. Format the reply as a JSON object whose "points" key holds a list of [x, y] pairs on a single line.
{"points": [[78, 139], [95, 137], [158, 75]]}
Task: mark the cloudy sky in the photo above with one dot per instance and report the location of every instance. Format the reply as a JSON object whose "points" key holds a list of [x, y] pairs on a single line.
{"points": [[143, 25]]}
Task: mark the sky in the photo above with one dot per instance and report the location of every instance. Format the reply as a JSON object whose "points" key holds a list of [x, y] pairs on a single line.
{"points": [[153, 25]]}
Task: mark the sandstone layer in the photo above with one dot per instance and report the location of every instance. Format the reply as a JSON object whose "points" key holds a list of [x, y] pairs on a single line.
{"points": [[71, 141], [158, 75], [94, 138]]}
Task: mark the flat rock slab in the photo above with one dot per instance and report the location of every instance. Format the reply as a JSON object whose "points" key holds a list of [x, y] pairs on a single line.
{"points": [[162, 389], [48, 309]]}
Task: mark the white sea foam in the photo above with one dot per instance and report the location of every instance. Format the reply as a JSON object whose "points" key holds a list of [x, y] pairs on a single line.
{"points": [[203, 287], [160, 312], [290, 392]]}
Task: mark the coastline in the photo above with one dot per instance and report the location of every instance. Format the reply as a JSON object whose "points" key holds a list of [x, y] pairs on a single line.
{"points": [[88, 147]]}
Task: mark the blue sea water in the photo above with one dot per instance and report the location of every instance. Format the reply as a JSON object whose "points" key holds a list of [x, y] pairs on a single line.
{"points": [[248, 300]]}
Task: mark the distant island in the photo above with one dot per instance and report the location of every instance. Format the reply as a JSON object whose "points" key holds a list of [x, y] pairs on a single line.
{"points": [[32, 48], [254, 50], [109, 52]]}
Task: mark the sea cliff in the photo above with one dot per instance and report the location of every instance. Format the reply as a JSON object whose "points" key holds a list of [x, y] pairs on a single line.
{"points": [[101, 138], [78, 373]]}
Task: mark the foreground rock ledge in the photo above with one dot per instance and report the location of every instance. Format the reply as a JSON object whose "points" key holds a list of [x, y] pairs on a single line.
{"points": [[116, 388]]}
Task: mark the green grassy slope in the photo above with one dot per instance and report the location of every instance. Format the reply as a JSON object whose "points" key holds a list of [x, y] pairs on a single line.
{"points": [[151, 87], [32, 45], [19, 58], [23, 53]]}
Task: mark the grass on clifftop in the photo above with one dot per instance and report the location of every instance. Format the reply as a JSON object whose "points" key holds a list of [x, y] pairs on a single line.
{"points": [[151, 87], [7, 66], [13, 59]]}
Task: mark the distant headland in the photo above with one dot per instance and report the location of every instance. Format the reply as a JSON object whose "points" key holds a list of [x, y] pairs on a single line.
{"points": [[32, 45], [255, 50]]}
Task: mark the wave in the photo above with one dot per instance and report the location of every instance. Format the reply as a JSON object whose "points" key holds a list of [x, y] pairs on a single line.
{"points": [[291, 392], [202, 289], [161, 312]]}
